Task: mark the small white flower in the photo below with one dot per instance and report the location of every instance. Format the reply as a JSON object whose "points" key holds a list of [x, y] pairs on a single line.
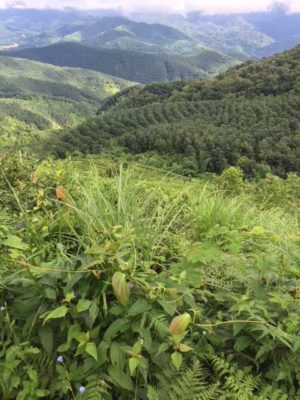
{"points": [[204, 332], [2, 308], [60, 359], [82, 389]]}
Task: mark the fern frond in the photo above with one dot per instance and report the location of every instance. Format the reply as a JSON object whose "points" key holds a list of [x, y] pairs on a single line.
{"points": [[237, 384], [152, 394], [96, 387], [160, 325], [190, 383]]}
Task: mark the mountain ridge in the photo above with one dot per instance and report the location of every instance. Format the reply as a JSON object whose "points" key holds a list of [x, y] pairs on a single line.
{"points": [[126, 64]]}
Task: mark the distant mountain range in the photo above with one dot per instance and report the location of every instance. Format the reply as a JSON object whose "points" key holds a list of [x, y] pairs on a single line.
{"points": [[129, 65], [254, 34], [240, 36]]}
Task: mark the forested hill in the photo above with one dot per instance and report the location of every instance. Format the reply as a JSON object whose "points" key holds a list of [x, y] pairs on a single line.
{"points": [[133, 66], [248, 116], [35, 97], [271, 76]]}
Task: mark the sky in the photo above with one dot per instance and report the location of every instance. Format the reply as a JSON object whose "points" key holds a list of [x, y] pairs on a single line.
{"points": [[208, 6]]}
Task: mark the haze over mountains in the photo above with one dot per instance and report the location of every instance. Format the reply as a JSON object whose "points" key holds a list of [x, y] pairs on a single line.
{"points": [[245, 35]]}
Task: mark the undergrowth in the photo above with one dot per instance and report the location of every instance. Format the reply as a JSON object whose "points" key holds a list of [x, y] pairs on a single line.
{"points": [[117, 282]]}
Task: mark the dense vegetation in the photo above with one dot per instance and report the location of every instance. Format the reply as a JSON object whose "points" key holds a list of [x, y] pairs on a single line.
{"points": [[37, 97], [133, 66], [120, 279], [248, 116], [124, 283]]}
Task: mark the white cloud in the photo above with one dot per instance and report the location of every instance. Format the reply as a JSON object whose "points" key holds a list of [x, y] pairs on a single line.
{"points": [[211, 6]]}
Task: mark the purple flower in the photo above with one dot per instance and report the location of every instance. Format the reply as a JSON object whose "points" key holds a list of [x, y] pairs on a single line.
{"points": [[82, 389], [60, 359]]}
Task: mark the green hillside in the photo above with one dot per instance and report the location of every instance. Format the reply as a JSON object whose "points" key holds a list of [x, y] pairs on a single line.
{"points": [[36, 97], [248, 116], [133, 66]]}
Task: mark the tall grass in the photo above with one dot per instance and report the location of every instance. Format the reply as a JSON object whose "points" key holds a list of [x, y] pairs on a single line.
{"points": [[125, 201], [211, 206], [158, 218]]}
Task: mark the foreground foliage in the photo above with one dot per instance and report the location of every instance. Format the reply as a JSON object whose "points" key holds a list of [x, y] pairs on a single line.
{"points": [[120, 283]]}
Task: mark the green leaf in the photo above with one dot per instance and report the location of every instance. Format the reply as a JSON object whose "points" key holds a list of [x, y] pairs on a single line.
{"points": [[162, 348], [83, 305], [176, 359], [169, 308], [120, 378], [46, 338], [15, 242], [242, 343], [91, 349], [118, 325], [139, 307], [102, 352], [117, 356], [93, 312], [133, 364], [184, 348], [59, 312]]}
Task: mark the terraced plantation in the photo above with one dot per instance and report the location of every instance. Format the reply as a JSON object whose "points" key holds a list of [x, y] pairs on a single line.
{"points": [[238, 118]]}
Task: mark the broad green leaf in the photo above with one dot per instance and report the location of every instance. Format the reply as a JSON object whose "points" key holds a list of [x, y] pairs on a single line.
{"points": [[117, 356], [139, 307], [176, 359], [15, 242], [133, 364], [184, 348], [46, 338], [242, 343], [162, 348], [91, 349], [83, 305], [120, 378], [102, 352], [117, 326], [59, 312], [169, 308], [93, 312], [120, 287]]}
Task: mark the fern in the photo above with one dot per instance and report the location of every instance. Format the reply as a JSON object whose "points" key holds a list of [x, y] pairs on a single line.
{"points": [[95, 388], [189, 384], [269, 393], [160, 325], [44, 364], [152, 394], [237, 384]]}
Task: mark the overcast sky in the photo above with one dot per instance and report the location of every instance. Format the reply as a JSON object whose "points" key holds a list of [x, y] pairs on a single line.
{"points": [[210, 6]]}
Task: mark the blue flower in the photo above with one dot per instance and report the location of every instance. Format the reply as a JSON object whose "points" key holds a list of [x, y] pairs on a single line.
{"points": [[82, 389], [60, 359]]}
